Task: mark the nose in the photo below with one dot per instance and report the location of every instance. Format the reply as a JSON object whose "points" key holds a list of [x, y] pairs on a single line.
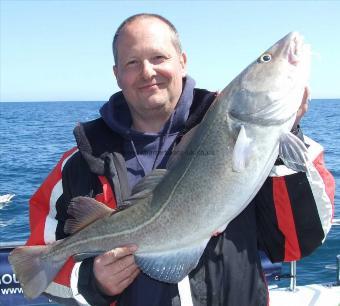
{"points": [[148, 70]]}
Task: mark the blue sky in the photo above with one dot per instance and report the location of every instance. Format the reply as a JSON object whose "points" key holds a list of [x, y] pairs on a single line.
{"points": [[61, 50]]}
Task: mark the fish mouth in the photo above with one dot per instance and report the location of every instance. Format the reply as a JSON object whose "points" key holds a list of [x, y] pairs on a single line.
{"points": [[296, 50]]}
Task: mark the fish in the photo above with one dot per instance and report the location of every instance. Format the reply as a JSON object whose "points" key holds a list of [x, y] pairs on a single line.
{"points": [[212, 175]]}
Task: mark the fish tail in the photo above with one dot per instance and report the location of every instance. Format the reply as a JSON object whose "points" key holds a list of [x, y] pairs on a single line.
{"points": [[33, 270]]}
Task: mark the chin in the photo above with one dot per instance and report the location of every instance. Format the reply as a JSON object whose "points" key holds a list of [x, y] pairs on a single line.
{"points": [[156, 102], [155, 105]]}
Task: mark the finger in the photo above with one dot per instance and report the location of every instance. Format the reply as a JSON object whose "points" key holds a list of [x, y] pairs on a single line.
{"points": [[115, 254], [110, 276], [116, 287], [120, 265], [123, 274], [303, 106], [115, 283], [306, 98], [125, 282], [120, 253], [308, 93]]}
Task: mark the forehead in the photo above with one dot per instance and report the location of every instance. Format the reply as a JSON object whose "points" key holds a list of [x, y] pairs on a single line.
{"points": [[149, 31]]}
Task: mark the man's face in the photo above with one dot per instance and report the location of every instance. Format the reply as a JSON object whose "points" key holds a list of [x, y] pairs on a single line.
{"points": [[149, 69]]}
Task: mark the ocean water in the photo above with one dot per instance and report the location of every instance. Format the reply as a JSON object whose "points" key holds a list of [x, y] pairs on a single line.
{"points": [[35, 135]]}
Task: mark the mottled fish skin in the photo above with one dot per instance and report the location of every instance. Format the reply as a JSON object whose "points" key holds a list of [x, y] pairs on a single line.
{"points": [[203, 190]]}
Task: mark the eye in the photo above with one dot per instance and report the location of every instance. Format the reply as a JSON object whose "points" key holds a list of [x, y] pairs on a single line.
{"points": [[131, 63], [265, 58], [158, 59]]}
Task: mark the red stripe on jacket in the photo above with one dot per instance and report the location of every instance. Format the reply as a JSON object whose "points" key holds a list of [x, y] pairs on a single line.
{"points": [[107, 196], [285, 219], [40, 208], [40, 203]]}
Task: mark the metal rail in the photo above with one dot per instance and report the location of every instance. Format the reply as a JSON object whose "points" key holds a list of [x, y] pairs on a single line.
{"points": [[292, 285]]}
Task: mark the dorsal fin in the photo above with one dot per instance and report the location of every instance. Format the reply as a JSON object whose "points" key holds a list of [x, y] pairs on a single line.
{"points": [[149, 182], [145, 186], [85, 211]]}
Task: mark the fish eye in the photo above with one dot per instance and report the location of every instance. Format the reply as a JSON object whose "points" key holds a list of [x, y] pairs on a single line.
{"points": [[265, 58]]}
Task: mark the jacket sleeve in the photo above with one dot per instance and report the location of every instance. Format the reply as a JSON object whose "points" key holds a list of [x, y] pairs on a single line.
{"points": [[43, 223], [295, 209]]}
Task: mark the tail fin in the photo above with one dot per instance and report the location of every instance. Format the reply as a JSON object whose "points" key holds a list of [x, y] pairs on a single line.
{"points": [[33, 270]]}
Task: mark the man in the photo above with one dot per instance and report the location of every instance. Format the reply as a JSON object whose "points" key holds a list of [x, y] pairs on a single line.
{"points": [[136, 134]]}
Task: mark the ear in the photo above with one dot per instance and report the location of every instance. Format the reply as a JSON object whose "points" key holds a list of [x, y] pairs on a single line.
{"points": [[183, 61], [116, 74]]}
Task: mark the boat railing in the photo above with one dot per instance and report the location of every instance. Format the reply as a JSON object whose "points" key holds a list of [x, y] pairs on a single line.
{"points": [[292, 285], [293, 274]]}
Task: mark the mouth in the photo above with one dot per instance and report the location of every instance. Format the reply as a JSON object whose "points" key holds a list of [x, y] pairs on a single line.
{"points": [[149, 86]]}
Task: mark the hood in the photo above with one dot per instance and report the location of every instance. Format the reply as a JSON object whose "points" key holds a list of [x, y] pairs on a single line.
{"points": [[117, 116]]}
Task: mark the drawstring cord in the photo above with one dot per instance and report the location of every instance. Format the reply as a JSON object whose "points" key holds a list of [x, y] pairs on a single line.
{"points": [[161, 143], [163, 139], [138, 160]]}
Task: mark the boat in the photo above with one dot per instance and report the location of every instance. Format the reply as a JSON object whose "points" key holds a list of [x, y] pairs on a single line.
{"points": [[308, 295], [314, 294], [326, 294]]}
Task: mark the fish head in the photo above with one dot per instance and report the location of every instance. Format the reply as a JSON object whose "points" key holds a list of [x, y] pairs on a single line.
{"points": [[270, 90]]}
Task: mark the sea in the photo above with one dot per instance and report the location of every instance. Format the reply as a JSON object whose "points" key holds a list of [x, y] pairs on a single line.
{"points": [[34, 136]]}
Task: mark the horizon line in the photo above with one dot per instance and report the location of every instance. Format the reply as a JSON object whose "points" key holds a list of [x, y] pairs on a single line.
{"points": [[102, 101]]}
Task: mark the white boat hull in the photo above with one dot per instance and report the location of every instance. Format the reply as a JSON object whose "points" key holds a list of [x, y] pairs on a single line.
{"points": [[309, 295]]}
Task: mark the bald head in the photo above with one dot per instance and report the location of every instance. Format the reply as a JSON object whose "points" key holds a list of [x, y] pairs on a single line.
{"points": [[129, 21]]}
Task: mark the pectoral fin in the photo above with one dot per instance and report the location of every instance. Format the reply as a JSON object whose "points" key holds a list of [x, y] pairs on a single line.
{"points": [[242, 151], [293, 152], [170, 266]]}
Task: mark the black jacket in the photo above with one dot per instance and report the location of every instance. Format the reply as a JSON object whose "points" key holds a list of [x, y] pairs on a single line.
{"points": [[229, 272]]}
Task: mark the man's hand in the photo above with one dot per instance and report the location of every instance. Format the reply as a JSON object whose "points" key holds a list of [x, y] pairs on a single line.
{"points": [[115, 270], [303, 107]]}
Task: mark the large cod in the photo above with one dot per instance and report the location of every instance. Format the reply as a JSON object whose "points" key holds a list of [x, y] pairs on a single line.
{"points": [[212, 175]]}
